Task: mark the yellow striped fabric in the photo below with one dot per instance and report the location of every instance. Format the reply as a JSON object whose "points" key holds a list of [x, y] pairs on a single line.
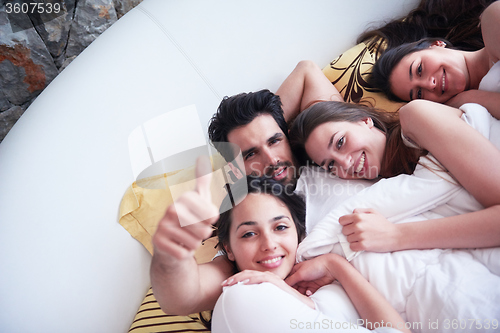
{"points": [[150, 318]]}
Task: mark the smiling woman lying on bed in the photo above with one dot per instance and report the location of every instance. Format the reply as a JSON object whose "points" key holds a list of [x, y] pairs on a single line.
{"points": [[354, 142], [260, 236], [429, 69], [368, 144]]}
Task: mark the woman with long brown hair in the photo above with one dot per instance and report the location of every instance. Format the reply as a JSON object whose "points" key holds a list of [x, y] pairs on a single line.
{"points": [[358, 142], [432, 70]]}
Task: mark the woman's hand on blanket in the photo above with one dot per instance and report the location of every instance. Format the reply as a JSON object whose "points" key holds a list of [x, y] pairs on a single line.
{"points": [[310, 275], [257, 277], [188, 221], [368, 230]]}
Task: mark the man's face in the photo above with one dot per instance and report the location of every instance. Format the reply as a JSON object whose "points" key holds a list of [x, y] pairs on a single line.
{"points": [[265, 149]]}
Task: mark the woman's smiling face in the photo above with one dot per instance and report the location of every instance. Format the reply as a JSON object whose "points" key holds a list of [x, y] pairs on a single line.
{"points": [[435, 74], [262, 236], [349, 150]]}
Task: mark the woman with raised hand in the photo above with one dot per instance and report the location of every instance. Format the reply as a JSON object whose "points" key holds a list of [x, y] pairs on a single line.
{"points": [[260, 236]]}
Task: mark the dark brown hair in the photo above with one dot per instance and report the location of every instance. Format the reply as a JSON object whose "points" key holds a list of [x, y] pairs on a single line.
{"points": [[261, 185], [456, 21], [240, 110], [382, 70], [398, 158]]}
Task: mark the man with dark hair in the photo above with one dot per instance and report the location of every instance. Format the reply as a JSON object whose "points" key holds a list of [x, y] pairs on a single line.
{"points": [[255, 122]]}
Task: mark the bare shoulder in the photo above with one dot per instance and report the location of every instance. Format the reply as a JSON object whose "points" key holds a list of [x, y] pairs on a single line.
{"points": [[490, 25], [492, 9], [426, 110]]}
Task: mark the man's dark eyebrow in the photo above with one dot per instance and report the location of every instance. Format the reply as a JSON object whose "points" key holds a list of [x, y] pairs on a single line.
{"points": [[411, 78], [330, 143], [275, 136]]}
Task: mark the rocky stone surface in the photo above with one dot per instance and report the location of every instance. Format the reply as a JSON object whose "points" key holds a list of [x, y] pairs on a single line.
{"points": [[8, 119], [92, 18], [35, 48]]}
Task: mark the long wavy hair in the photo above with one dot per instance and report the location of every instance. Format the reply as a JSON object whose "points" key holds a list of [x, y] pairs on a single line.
{"points": [[398, 158], [456, 21]]}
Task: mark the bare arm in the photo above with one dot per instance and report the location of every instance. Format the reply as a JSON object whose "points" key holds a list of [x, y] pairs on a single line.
{"points": [[439, 129], [370, 304], [305, 85], [490, 100], [470, 157], [185, 287], [180, 285], [368, 230], [472, 230], [490, 24]]}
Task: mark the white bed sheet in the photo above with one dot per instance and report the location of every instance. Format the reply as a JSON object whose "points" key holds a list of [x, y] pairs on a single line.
{"points": [[434, 290]]}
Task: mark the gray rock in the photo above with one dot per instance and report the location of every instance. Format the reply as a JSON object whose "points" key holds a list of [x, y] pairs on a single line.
{"points": [[26, 66], [123, 6], [8, 119], [4, 102], [14, 89], [55, 31], [32, 49], [92, 18], [66, 62]]}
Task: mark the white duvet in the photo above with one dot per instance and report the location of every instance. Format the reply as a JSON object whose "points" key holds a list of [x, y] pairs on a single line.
{"points": [[434, 290]]}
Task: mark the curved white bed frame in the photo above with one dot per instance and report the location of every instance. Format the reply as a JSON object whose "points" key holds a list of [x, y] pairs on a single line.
{"points": [[66, 265]]}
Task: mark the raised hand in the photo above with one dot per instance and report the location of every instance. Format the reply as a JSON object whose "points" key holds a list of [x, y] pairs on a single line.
{"points": [[189, 220]]}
